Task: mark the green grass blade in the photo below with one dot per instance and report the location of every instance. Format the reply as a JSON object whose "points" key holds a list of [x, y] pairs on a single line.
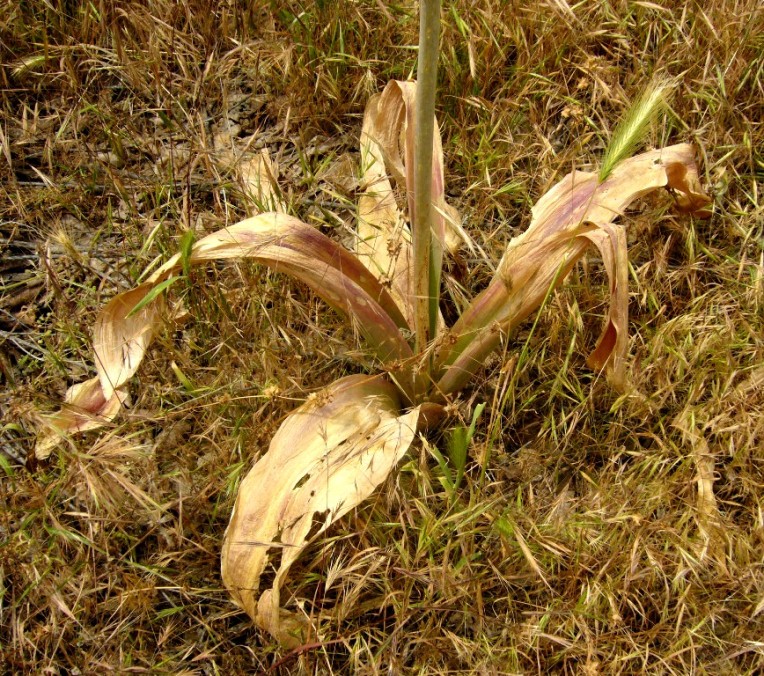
{"points": [[152, 295], [186, 245]]}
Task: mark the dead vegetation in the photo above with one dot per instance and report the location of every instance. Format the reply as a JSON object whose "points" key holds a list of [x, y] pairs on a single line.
{"points": [[590, 533]]}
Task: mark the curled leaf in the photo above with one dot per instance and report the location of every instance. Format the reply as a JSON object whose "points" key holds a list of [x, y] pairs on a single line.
{"points": [[123, 331], [384, 237], [125, 326], [391, 125], [85, 408], [327, 457], [613, 341], [576, 212]]}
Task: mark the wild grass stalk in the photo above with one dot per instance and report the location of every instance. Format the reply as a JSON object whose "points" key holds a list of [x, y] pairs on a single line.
{"points": [[426, 258]]}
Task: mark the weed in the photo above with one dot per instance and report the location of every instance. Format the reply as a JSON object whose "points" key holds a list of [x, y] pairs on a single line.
{"points": [[601, 488]]}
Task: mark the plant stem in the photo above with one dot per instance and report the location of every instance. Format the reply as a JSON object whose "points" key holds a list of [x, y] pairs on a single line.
{"points": [[424, 126]]}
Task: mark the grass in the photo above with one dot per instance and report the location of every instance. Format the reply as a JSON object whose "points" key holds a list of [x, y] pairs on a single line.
{"points": [[580, 538]]}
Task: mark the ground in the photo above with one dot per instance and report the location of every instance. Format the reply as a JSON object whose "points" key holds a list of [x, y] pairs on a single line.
{"points": [[592, 533]]}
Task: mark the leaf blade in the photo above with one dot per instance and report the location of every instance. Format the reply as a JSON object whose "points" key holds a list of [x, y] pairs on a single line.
{"points": [[154, 293], [327, 457], [560, 232], [387, 145], [125, 326]]}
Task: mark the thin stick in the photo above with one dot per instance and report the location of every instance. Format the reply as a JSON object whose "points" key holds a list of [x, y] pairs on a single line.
{"points": [[424, 125]]}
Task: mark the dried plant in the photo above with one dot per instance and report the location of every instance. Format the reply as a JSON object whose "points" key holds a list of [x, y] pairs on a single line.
{"points": [[333, 451]]}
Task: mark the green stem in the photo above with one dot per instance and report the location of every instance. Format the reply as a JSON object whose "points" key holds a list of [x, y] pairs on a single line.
{"points": [[424, 126]]}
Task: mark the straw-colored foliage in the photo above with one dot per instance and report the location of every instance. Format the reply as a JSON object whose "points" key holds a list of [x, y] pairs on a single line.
{"points": [[213, 339], [327, 457]]}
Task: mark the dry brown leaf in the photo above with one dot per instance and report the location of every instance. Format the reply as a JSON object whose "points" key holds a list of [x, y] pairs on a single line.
{"points": [[327, 457], [258, 177], [256, 174], [119, 340], [611, 347], [278, 240], [384, 238], [565, 222], [397, 101], [85, 408]]}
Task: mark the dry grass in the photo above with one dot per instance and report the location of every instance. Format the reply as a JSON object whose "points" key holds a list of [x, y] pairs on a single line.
{"points": [[591, 534]]}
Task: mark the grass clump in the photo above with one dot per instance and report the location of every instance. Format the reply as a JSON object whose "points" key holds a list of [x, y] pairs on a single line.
{"points": [[576, 540]]}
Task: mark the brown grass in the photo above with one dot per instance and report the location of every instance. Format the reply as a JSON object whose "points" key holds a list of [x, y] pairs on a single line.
{"points": [[591, 533]]}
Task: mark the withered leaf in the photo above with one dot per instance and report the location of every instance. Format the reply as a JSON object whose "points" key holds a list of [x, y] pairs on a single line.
{"points": [[327, 457]]}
